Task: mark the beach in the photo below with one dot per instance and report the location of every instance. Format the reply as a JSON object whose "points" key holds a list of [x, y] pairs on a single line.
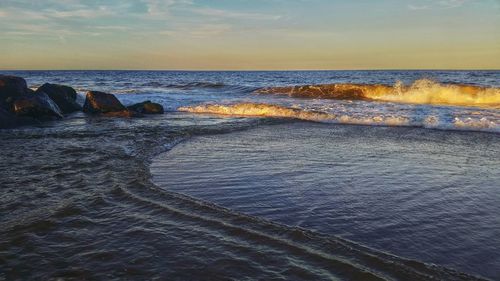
{"points": [[247, 176]]}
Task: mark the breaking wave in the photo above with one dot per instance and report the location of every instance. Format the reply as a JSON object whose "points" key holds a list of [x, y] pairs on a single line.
{"points": [[373, 119], [258, 110], [271, 110], [422, 91]]}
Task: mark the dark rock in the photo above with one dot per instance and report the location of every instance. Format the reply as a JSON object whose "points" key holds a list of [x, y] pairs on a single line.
{"points": [[11, 88], [38, 106], [99, 102], [10, 120], [63, 96], [147, 107], [7, 119]]}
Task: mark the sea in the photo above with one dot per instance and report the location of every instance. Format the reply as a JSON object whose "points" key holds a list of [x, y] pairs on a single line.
{"points": [[250, 176]]}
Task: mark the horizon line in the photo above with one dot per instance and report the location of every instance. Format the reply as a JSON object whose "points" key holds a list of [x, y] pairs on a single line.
{"points": [[262, 70]]}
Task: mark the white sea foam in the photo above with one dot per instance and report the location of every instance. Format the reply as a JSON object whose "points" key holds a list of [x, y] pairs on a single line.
{"points": [[373, 118]]}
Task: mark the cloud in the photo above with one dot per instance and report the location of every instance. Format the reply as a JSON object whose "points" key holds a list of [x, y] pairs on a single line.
{"points": [[52, 12], [231, 14], [81, 13], [416, 7], [163, 7], [452, 3], [93, 18], [57, 18], [441, 4], [18, 14]]}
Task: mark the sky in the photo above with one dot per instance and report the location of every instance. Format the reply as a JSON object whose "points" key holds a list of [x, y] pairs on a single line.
{"points": [[250, 34]]}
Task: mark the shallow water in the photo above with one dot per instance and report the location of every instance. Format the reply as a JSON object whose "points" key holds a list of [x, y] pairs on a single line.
{"points": [[420, 194], [77, 199]]}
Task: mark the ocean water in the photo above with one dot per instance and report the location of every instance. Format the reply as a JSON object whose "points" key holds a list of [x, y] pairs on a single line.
{"points": [[396, 178]]}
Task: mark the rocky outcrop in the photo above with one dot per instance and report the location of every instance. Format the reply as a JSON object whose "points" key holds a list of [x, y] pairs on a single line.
{"points": [[147, 107], [38, 106], [20, 105], [107, 105], [99, 102], [63, 96], [11, 88]]}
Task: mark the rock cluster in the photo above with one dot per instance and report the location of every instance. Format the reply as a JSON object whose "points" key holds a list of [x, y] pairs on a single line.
{"points": [[20, 105]]}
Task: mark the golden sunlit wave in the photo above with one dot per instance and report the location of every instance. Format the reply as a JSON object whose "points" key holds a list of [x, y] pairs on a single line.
{"points": [[271, 110], [258, 110], [373, 118], [422, 91]]}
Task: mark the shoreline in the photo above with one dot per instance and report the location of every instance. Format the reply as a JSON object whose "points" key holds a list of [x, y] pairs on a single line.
{"points": [[151, 198], [165, 180], [80, 200]]}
